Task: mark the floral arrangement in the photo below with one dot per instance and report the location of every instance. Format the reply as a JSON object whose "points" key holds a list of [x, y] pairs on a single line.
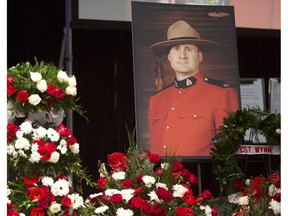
{"points": [[143, 183], [45, 159], [34, 195], [230, 136], [42, 86], [257, 196]]}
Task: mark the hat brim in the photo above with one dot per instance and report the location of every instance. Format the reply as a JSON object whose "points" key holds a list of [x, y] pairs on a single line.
{"points": [[163, 47]]}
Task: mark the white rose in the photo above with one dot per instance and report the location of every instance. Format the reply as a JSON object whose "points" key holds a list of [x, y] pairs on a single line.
{"points": [[42, 85], [244, 200], [35, 76], [34, 99], [71, 90], [62, 76], [75, 148], [72, 81], [54, 157], [119, 175], [55, 207]]}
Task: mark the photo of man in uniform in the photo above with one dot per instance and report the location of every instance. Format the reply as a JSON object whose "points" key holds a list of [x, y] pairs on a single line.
{"points": [[184, 116]]}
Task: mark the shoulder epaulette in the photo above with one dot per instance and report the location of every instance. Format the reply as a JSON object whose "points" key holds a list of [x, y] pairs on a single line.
{"points": [[216, 82], [164, 88]]}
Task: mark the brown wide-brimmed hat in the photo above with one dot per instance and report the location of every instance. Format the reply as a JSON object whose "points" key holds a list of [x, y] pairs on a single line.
{"points": [[182, 33]]}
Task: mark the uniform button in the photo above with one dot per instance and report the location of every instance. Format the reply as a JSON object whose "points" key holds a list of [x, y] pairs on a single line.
{"points": [[167, 127], [180, 92], [165, 147], [172, 108], [194, 116]]}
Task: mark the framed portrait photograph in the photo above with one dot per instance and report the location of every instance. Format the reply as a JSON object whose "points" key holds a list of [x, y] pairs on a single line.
{"points": [[186, 76]]}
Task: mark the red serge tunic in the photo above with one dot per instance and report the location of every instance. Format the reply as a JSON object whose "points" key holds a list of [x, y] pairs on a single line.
{"points": [[183, 121]]}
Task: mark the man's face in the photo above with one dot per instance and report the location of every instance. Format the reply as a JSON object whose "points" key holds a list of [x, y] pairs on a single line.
{"points": [[185, 60]]}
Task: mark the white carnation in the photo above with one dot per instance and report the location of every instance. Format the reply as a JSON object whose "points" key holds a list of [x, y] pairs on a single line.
{"points": [[153, 197], [101, 209], [35, 76], [40, 132], [19, 134], [179, 190], [275, 206], [119, 175], [162, 185], [127, 194], [47, 181], [10, 150], [244, 200], [26, 127], [62, 146], [124, 212], [35, 157], [22, 153], [273, 190], [34, 99], [110, 192], [77, 200], [148, 180], [41, 85], [22, 143], [165, 165]]}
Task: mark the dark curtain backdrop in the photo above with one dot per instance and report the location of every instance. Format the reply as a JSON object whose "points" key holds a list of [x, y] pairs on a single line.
{"points": [[103, 66]]}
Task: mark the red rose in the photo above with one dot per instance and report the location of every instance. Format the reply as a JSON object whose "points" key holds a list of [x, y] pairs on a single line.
{"points": [[12, 212], [59, 93], [116, 198], [238, 184], [118, 161], [31, 180], [71, 140], [214, 211], [182, 211], [22, 96], [11, 131], [164, 194], [193, 179], [177, 166], [66, 201], [127, 183], [159, 171], [136, 202], [277, 197], [206, 195], [275, 179], [154, 158], [51, 89], [101, 183], [11, 89], [63, 131], [139, 179]]}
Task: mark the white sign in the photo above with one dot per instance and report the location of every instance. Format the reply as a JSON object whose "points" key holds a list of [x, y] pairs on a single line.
{"points": [[259, 149]]}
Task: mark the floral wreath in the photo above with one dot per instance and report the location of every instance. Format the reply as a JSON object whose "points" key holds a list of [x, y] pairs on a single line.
{"points": [[231, 135], [40, 87]]}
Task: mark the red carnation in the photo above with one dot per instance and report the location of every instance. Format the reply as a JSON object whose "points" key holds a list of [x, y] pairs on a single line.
{"points": [[118, 161], [66, 201], [9, 80], [127, 183], [22, 96], [136, 202], [31, 180], [101, 183], [116, 198], [146, 208], [59, 93], [12, 212], [154, 158], [11, 131], [164, 194], [157, 210], [138, 190], [182, 211], [11, 89], [177, 166]]}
